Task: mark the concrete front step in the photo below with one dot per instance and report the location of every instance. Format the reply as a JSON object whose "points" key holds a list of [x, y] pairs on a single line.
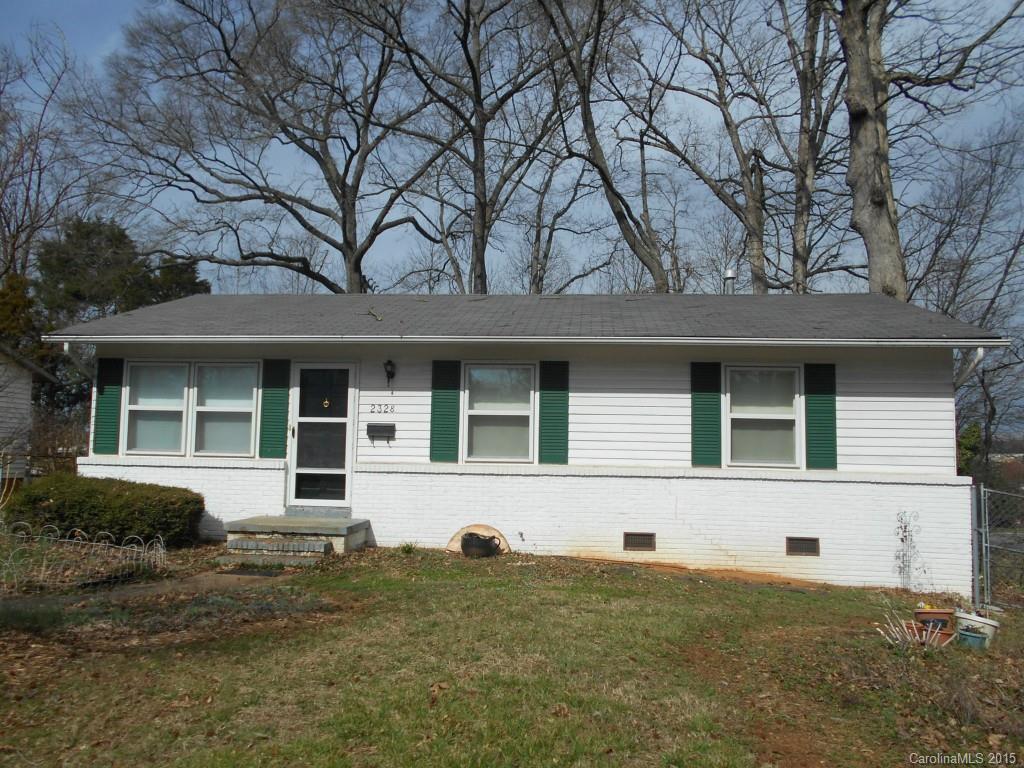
{"points": [[280, 545], [255, 559], [294, 536], [294, 525]]}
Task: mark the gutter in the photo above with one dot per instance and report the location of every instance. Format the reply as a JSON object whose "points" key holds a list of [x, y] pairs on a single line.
{"points": [[607, 340]]}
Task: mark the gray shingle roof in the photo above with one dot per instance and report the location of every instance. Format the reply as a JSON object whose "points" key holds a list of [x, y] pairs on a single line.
{"points": [[846, 317]]}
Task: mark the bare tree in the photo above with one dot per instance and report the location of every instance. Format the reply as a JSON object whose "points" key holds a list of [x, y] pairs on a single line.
{"points": [[719, 38], [487, 72], [944, 48], [965, 252], [583, 32], [771, 144], [544, 264], [41, 172], [270, 118], [816, 68]]}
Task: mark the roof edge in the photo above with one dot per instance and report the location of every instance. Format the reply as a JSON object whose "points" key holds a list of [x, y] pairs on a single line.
{"points": [[649, 340]]}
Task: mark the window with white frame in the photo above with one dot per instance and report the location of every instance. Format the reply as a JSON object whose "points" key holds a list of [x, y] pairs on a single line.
{"points": [[761, 407], [156, 405], [225, 406], [499, 412]]}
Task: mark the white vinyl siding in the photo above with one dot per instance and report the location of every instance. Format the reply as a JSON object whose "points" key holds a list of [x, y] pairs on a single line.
{"points": [[896, 416], [16, 413], [409, 397], [629, 414], [895, 409]]}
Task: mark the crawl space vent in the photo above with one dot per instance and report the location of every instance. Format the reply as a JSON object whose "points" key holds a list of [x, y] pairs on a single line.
{"points": [[638, 542], [798, 545]]}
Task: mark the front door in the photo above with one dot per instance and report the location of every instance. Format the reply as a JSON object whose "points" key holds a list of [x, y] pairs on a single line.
{"points": [[321, 404]]}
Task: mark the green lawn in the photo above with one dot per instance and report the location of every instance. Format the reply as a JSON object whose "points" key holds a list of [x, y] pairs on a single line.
{"points": [[392, 659]]}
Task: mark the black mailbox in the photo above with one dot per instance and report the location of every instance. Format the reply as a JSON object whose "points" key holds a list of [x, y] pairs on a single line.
{"points": [[380, 432]]}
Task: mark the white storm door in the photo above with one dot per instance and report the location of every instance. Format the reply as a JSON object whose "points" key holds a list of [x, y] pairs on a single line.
{"points": [[320, 434]]}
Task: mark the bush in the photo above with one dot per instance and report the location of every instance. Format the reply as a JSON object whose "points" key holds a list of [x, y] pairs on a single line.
{"points": [[118, 507]]}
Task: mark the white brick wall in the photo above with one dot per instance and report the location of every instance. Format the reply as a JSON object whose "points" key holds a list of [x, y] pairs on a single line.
{"points": [[724, 519], [232, 488]]}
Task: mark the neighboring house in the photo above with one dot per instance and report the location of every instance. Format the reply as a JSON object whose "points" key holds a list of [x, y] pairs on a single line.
{"points": [[782, 434], [16, 376]]}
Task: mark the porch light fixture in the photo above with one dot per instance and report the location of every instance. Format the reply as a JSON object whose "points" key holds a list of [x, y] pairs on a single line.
{"points": [[389, 370]]}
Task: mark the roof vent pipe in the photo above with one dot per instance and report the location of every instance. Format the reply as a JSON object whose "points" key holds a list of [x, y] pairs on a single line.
{"points": [[729, 281]]}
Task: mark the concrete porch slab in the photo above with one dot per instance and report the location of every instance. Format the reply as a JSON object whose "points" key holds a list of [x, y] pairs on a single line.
{"points": [[297, 526]]}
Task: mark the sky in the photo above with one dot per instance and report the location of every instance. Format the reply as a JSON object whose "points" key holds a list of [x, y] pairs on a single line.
{"points": [[92, 28]]}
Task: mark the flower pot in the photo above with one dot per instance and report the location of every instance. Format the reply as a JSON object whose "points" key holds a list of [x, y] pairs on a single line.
{"points": [[976, 640], [989, 627], [475, 545], [940, 618]]}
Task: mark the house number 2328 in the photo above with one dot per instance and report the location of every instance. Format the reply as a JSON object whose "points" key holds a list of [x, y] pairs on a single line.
{"points": [[382, 408]]}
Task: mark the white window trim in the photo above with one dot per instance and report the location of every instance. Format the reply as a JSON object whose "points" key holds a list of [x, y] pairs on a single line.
{"points": [[798, 417], [465, 412], [127, 408], [196, 409], [189, 409]]}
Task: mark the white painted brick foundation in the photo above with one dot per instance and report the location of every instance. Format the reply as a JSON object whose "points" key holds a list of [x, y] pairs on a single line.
{"points": [[233, 488], [729, 519], [703, 519]]}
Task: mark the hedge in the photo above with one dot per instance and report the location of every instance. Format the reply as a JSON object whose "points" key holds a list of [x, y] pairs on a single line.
{"points": [[117, 507]]}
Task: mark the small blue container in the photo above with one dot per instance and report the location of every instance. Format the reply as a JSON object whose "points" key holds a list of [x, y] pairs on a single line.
{"points": [[971, 639]]}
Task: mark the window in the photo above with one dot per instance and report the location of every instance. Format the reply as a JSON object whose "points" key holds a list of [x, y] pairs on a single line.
{"points": [[499, 412], [762, 415], [225, 403], [156, 407], [200, 409]]}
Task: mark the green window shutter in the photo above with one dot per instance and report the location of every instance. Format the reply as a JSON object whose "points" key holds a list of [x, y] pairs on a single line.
{"points": [[820, 415], [106, 421], [274, 409], [444, 410], [706, 414], [554, 413]]}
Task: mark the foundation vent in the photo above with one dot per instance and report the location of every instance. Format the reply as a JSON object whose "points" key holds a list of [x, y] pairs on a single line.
{"points": [[799, 545], [638, 542]]}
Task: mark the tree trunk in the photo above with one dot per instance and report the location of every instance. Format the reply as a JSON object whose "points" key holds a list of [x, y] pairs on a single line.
{"points": [[754, 247], [874, 218], [478, 255], [753, 221], [803, 182], [805, 172], [638, 242]]}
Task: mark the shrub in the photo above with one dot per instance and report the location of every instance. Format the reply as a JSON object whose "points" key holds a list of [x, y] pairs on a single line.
{"points": [[118, 507]]}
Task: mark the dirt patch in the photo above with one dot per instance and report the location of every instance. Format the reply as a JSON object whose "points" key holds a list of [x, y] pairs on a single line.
{"points": [[745, 577], [782, 733], [148, 624], [200, 583]]}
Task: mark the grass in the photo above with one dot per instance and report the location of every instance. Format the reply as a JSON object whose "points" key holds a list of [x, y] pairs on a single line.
{"points": [[393, 658]]}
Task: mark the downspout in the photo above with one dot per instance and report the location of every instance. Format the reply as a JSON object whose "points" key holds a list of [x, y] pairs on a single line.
{"points": [[76, 361], [979, 355]]}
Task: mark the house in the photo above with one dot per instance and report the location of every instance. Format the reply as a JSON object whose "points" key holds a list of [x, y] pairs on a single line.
{"points": [[16, 377], [806, 436]]}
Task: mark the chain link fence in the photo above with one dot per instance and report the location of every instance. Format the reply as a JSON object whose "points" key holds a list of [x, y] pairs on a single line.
{"points": [[1001, 544]]}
